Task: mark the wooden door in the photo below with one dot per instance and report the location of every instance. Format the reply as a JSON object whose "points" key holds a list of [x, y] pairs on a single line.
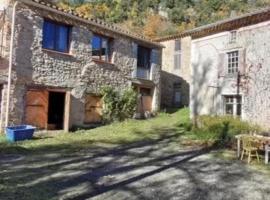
{"points": [[36, 112], [93, 109], [144, 104], [147, 103]]}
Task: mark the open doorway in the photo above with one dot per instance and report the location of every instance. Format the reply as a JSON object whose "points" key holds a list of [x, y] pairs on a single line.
{"points": [[56, 110]]}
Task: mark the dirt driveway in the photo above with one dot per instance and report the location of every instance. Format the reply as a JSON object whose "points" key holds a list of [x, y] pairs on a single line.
{"points": [[144, 170]]}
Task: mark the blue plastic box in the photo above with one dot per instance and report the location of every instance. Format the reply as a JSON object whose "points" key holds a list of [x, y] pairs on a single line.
{"points": [[18, 133]]}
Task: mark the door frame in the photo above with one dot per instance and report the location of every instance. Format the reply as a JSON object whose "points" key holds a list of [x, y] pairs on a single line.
{"points": [[67, 106]]}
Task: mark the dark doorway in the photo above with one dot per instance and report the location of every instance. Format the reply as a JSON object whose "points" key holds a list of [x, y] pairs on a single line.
{"points": [[56, 110]]}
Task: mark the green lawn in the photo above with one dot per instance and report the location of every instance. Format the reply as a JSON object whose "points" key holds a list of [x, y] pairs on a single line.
{"points": [[111, 135], [90, 161]]}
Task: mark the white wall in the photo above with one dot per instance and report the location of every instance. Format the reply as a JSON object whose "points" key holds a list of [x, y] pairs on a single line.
{"points": [[209, 82]]}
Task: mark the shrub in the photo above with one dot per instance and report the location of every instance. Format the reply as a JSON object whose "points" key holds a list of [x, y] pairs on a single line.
{"points": [[224, 128], [118, 106]]}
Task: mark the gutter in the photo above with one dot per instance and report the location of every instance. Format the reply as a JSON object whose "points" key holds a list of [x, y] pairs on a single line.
{"points": [[10, 61]]}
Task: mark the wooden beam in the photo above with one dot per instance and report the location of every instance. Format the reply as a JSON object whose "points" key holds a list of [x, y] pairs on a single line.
{"points": [[67, 112]]}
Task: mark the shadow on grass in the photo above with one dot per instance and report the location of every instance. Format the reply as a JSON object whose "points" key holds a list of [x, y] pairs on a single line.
{"points": [[130, 169]]}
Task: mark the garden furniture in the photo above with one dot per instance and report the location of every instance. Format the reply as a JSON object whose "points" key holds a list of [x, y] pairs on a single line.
{"points": [[250, 148], [263, 140]]}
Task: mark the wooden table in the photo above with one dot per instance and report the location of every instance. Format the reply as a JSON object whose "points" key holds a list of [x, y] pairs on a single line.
{"points": [[262, 139]]}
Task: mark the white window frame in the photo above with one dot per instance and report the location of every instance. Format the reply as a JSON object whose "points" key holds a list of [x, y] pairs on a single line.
{"points": [[233, 37], [177, 55], [235, 103], [233, 61]]}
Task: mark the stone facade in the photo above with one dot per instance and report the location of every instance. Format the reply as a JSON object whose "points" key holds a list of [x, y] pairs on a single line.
{"points": [[175, 77], [76, 71], [211, 81]]}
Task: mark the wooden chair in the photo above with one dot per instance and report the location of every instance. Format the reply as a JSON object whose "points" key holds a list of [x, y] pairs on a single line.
{"points": [[250, 148]]}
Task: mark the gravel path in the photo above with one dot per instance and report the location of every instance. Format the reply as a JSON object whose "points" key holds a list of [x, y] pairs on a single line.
{"points": [[148, 170]]}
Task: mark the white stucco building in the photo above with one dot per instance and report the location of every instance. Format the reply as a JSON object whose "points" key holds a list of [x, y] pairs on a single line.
{"points": [[230, 67]]}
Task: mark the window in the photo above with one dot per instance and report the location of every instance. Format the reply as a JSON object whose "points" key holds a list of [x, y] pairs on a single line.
{"points": [[101, 48], [233, 62], [177, 54], [233, 37], [143, 60], [233, 105], [145, 91], [177, 94], [56, 36]]}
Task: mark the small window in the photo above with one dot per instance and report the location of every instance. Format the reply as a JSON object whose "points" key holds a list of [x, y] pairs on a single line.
{"points": [[145, 91], [233, 105], [143, 59], [56, 36], [177, 54], [177, 94], [101, 48], [233, 62], [233, 37], [177, 46]]}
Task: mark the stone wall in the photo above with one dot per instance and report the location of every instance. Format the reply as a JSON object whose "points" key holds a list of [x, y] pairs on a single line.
{"points": [[210, 82], [75, 72], [172, 76]]}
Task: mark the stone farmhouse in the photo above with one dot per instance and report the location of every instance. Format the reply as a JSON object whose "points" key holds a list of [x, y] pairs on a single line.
{"points": [[223, 67], [53, 63], [51, 57], [175, 74]]}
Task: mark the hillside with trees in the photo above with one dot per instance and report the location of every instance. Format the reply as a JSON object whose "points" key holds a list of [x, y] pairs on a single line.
{"points": [[156, 18]]}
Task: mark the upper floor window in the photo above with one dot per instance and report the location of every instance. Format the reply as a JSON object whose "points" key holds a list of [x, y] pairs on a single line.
{"points": [[177, 54], [233, 37], [233, 105], [101, 48], [56, 36], [233, 62], [143, 59]]}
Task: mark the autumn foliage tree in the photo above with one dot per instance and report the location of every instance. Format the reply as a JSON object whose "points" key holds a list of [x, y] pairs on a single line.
{"points": [[147, 16]]}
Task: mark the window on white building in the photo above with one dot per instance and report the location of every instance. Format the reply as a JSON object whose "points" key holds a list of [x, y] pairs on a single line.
{"points": [[177, 54], [233, 37], [233, 105], [233, 62], [177, 94]]}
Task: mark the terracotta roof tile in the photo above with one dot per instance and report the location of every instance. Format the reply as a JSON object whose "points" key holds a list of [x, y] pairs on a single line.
{"points": [[92, 21], [223, 25]]}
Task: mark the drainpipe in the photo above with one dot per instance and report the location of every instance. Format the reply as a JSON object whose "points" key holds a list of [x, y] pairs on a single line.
{"points": [[2, 38], [10, 61]]}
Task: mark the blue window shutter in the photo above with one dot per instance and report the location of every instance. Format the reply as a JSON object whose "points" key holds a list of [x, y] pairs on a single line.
{"points": [[62, 38], [135, 50], [55, 36], [48, 35], [154, 56]]}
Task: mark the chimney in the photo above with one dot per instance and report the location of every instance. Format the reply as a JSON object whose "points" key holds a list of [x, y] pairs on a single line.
{"points": [[233, 14]]}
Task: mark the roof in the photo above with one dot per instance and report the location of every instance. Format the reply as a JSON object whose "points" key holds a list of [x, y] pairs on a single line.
{"points": [[223, 25], [91, 21]]}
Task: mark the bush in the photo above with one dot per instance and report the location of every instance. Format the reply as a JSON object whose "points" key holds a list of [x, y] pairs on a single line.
{"points": [[223, 129], [118, 106]]}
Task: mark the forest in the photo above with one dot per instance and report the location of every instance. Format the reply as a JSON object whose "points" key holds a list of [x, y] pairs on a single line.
{"points": [[157, 18]]}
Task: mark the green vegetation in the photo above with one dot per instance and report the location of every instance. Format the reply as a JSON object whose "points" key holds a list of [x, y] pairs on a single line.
{"points": [[223, 129], [146, 15], [117, 133], [118, 105], [212, 130]]}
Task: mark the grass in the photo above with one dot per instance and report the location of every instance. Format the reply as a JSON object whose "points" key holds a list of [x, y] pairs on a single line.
{"points": [[54, 164], [118, 133], [230, 155]]}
